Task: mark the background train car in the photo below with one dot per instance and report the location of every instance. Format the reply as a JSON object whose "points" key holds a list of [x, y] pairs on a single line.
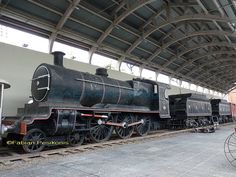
{"points": [[233, 111], [190, 110], [221, 110]]}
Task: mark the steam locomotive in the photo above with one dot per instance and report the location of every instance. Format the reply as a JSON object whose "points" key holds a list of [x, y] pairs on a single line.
{"points": [[69, 105]]}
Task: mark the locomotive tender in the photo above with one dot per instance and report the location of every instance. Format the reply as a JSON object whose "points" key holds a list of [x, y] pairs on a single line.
{"points": [[68, 105], [190, 109], [221, 110]]}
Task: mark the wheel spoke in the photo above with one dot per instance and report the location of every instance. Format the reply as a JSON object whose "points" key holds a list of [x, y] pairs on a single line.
{"points": [[35, 136], [143, 129], [99, 133], [127, 131], [76, 139]]}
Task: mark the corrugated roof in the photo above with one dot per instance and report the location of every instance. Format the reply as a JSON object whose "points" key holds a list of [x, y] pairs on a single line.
{"points": [[193, 40]]}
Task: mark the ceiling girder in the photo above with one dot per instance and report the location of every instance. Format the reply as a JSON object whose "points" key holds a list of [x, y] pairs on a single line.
{"points": [[175, 20], [199, 46], [61, 23], [126, 29], [198, 33], [117, 20], [191, 60], [220, 44], [219, 73], [223, 66], [199, 67], [69, 34], [226, 77]]}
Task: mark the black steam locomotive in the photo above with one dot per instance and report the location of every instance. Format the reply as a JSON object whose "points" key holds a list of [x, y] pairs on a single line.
{"points": [[69, 105]]}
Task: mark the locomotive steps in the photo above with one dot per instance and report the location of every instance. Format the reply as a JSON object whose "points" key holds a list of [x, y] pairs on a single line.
{"points": [[9, 158]]}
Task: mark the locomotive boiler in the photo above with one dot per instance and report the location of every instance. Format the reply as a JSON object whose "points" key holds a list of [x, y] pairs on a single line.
{"points": [[69, 105]]}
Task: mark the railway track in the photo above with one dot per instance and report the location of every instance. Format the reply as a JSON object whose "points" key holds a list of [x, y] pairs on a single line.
{"points": [[10, 157]]}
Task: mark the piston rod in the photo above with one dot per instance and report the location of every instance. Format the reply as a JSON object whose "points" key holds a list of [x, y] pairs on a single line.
{"points": [[123, 124]]}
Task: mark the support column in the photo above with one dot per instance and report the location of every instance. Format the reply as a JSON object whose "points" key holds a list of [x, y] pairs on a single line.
{"points": [[3, 85], [141, 70], [1, 101], [157, 74], [169, 79], [91, 52]]}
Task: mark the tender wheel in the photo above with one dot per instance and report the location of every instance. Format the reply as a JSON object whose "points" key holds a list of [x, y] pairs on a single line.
{"points": [[76, 139], [99, 132], [33, 141], [144, 128], [124, 132]]}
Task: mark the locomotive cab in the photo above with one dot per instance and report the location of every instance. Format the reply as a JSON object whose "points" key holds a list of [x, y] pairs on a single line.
{"points": [[153, 95]]}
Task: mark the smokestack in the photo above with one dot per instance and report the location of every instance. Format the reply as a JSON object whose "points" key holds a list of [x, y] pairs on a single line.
{"points": [[58, 58], [101, 72]]}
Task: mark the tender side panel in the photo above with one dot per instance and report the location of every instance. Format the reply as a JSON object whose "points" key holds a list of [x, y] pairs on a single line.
{"points": [[198, 108], [224, 109]]}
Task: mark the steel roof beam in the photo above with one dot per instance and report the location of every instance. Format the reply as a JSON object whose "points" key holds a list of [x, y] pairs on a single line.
{"points": [[214, 79], [222, 14], [93, 12], [61, 23], [199, 46], [89, 26], [198, 33], [175, 20], [117, 20], [183, 4], [150, 21], [219, 8], [218, 74], [226, 83], [174, 26], [199, 67], [226, 77], [190, 61], [219, 67], [71, 35], [214, 21], [222, 44]]}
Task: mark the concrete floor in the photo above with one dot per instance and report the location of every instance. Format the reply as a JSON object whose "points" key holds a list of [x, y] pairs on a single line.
{"points": [[184, 155]]}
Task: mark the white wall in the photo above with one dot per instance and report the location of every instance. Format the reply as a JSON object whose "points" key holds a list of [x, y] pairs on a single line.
{"points": [[18, 64]]}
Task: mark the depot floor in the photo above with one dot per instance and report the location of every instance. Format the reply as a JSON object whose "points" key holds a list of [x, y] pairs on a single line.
{"points": [[184, 155]]}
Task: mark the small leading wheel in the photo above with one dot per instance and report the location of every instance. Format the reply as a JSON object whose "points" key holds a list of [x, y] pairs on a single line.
{"points": [[76, 139], [143, 128], [33, 141], [126, 131], [99, 132], [230, 149]]}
